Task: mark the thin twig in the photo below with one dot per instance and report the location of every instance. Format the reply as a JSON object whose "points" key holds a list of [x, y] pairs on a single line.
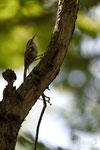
{"points": [[39, 121]]}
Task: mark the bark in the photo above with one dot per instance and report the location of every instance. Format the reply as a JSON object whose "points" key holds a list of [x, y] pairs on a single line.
{"points": [[17, 103]]}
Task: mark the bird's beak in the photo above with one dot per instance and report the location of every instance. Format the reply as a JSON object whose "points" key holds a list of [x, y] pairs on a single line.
{"points": [[33, 37]]}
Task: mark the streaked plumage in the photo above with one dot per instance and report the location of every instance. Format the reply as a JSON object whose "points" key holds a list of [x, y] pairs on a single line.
{"points": [[30, 54]]}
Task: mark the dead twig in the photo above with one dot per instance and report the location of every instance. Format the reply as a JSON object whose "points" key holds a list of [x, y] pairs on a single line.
{"points": [[40, 118]]}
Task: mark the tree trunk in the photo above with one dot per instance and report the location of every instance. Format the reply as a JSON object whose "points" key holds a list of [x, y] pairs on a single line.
{"points": [[17, 103]]}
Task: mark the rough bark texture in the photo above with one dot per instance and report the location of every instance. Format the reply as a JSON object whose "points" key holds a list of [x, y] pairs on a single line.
{"points": [[17, 103]]}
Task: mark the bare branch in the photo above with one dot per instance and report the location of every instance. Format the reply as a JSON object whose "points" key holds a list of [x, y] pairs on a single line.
{"points": [[40, 119]]}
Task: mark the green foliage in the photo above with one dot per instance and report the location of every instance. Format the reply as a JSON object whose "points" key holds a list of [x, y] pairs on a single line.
{"points": [[88, 4], [26, 140], [88, 25], [19, 20]]}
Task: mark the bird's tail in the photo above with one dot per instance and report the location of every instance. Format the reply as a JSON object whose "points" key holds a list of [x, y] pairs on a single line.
{"points": [[25, 71]]}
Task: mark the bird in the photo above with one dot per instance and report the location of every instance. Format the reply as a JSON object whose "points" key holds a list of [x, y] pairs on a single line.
{"points": [[30, 54]]}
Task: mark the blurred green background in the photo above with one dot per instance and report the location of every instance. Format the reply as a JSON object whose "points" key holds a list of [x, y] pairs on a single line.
{"points": [[80, 72]]}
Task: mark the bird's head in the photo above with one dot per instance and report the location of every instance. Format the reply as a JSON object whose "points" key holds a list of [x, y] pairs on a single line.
{"points": [[33, 37], [30, 42]]}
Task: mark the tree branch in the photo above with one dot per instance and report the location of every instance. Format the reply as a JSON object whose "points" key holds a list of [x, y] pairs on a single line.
{"points": [[48, 68], [16, 104]]}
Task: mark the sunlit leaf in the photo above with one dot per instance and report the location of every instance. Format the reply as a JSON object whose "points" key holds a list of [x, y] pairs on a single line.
{"points": [[88, 25], [8, 9]]}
